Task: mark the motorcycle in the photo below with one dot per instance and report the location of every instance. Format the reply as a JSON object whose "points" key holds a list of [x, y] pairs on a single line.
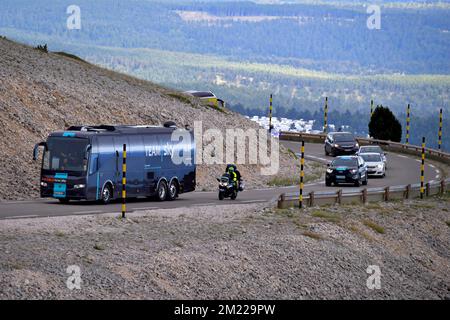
{"points": [[226, 188]]}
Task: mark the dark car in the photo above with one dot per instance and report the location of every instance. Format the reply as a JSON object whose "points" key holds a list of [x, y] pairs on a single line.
{"points": [[339, 143], [347, 169]]}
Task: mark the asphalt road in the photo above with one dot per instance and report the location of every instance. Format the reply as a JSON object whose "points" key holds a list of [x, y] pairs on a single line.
{"points": [[402, 170]]}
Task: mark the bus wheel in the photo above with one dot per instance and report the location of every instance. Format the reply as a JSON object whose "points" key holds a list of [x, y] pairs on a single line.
{"points": [[162, 191], [173, 191], [106, 194]]}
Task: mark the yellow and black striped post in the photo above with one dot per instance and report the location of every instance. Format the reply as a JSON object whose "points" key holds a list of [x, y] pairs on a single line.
{"points": [[440, 130], [124, 180], [302, 174], [270, 113], [422, 170], [325, 116], [371, 108], [408, 119]]}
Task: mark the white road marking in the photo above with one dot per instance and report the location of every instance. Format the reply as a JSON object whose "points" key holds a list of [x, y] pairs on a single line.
{"points": [[145, 208], [403, 156], [87, 212], [314, 157], [21, 217], [432, 166], [250, 201]]}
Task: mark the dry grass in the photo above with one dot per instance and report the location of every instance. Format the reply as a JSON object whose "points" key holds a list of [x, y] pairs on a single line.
{"points": [[312, 235], [329, 216], [374, 226]]}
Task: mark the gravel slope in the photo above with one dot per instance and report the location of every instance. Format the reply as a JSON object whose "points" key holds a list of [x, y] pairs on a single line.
{"points": [[43, 92], [235, 252]]}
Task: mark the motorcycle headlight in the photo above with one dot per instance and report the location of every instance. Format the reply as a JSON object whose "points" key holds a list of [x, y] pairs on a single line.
{"points": [[79, 186], [329, 170], [43, 184], [357, 145], [336, 145], [353, 171]]}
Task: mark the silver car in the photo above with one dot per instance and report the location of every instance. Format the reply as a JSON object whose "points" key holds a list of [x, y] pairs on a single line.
{"points": [[374, 149], [375, 164]]}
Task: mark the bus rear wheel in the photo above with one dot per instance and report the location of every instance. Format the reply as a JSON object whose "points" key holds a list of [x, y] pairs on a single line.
{"points": [[162, 191], [173, 191]]}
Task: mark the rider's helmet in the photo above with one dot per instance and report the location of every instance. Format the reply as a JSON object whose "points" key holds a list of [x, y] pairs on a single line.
{"points": [[230, 169]]}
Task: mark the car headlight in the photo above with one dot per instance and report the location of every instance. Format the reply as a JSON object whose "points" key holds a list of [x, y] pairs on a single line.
{"points": [[380, 167], [43, 184], [357, 145], [329, 170], [79, 186]]}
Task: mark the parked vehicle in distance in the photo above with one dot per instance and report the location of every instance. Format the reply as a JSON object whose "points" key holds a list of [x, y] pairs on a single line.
{"points": [[347, 169], [375, 164], [208, 98], [340, 143], [85, 162], [374, 149]]}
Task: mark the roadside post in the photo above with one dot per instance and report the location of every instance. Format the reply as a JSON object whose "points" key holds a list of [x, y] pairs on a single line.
{"points": [[422, 169], [325, 116], [270, 113], [371, 108], [440, 130], [124, 180], [408, 119], [302, 174]]}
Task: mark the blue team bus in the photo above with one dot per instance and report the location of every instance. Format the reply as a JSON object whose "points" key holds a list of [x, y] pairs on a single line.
{"points": [[85, 162]]}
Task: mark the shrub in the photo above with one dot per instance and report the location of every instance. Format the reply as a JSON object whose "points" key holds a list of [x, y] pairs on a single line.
{"points": [[42, 48]]}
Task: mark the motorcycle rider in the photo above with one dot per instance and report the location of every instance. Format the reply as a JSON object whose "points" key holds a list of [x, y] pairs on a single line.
{"points": [[233, 176]]}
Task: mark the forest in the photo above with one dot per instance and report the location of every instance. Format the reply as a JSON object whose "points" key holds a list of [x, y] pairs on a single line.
{"points": [[244, 51]]}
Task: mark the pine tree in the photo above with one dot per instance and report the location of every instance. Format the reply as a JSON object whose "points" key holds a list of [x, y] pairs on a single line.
{"points": [[384, 125]]}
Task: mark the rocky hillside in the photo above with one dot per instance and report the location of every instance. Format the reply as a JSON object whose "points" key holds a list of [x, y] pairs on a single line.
{"points": [[43, 92], [233, 252]]}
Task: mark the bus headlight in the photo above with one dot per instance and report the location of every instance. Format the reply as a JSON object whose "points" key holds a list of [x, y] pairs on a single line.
{"points": [[79, 186], [43, 184]]}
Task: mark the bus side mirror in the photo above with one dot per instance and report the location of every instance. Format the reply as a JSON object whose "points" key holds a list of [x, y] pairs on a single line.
{"points": [[93, 167], [36, 149]]}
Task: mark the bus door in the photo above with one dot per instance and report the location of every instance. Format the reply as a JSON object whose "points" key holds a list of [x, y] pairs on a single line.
{"points": [[136, 165]]}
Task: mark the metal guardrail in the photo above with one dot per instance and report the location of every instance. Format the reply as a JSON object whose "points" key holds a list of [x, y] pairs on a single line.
{"points": [[318, 198], [287, 200]]}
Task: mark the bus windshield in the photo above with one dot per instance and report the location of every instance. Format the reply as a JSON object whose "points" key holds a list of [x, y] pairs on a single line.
{"points": [[65, 154]]}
